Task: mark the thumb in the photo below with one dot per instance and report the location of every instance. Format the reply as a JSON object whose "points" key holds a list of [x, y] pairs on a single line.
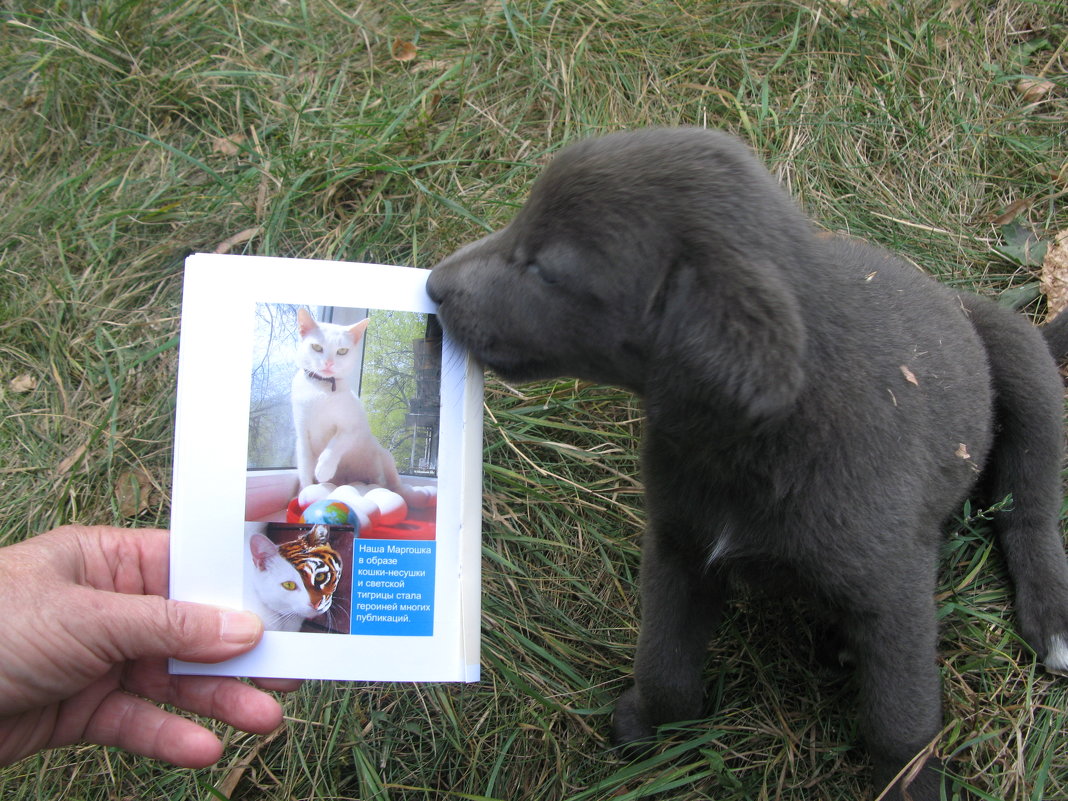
{"points": [[153, 626]]}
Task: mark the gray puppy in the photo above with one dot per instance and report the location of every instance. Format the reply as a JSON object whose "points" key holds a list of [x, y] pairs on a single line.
{"points": [[816, 409]]}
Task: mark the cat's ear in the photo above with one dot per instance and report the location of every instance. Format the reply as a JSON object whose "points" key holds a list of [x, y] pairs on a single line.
{"points": [[262, 550], [355, 332], [305, 322], [318, 535]]}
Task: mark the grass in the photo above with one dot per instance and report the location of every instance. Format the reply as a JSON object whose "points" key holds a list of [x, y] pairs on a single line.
{"points": [[135, 133]]}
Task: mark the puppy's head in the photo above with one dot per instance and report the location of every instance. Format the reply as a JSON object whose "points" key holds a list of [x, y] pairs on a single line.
{"points": [[658, 260]]}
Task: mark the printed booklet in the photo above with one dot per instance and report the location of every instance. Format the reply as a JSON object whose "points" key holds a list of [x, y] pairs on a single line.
{"points": [[327, 470]]}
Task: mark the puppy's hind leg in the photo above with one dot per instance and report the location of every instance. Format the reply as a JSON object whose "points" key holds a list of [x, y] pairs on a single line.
{"points": [[1026, 464], [680, 606]]}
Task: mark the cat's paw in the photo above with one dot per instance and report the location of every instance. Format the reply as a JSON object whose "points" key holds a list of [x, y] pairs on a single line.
{"points": [[313, 493], [326, 466]]}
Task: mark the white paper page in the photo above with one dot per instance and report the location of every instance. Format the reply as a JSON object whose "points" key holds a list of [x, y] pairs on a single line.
{"points": [[412, 605]]}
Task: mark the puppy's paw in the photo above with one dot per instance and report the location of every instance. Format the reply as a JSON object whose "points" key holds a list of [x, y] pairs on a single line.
{"points": [[833, 652], [1056, 657], [1042, 619], [632, 736], [915, 783]]}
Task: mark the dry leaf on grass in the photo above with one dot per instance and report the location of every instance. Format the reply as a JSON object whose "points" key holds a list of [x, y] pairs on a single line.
{"points": [[240, 238], [23, 383], [1032, 90], [132, 492], [403, 50], [1011, 212], [236, 771], [228, 145], [1054, 276], [66, 464]]}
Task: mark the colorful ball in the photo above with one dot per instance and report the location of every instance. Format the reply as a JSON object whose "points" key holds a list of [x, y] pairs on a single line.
{"points": [[329, 512]]}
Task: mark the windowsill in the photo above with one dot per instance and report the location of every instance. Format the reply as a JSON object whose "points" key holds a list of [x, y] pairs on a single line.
{"points": [[267, 493]]}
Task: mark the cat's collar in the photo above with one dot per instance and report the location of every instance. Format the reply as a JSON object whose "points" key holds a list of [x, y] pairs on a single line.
{"points": [[317, 377]]}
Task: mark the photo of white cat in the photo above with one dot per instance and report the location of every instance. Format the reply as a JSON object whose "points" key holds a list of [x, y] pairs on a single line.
{"points": [[334, 443], [296, 577], [345, 407]]}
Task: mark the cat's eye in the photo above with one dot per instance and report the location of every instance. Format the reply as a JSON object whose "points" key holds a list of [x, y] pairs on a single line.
{"points": [[317, 347], [289, 585], [342, 351]]}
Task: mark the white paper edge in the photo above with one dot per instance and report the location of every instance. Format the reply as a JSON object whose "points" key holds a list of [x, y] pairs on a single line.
{"points": [[225, 289]]}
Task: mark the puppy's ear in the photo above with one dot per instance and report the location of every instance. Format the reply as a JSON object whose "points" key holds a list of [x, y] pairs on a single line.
{"points": [[732, 338]]}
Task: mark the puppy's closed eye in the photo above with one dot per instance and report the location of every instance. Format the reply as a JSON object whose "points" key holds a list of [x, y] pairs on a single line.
{"points": [[535, 269]]}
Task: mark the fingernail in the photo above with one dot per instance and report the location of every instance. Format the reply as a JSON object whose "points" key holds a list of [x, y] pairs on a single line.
{"points": [[240, 628]]}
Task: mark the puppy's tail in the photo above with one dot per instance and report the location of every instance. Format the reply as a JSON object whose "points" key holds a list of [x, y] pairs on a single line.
{"points": [[1056, 334]]}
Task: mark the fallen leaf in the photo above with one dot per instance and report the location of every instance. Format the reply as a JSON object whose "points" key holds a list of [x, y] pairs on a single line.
{"points": [[240, 238], [909, 375], [132, 491], [66, 464], [1021, 245], [228, 145], [403, 50], [1011, 212], [1032, 90], [1019, 296], [962, 452], [1054, 275], [233, 776], [23, 383]]}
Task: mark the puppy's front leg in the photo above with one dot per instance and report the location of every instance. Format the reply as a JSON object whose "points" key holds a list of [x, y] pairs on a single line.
{"points": [[900, 688], [681, 604]]}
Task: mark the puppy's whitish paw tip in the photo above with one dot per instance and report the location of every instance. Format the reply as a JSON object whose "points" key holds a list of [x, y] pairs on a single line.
{"points": [[1056, 660]]}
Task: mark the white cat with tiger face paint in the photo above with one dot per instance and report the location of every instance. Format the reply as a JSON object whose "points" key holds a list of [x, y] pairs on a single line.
{"points": [[294, 581]]}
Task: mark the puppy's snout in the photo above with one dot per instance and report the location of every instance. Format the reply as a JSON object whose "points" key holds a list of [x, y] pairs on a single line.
{"points": [[435, 285], [454, 269]]}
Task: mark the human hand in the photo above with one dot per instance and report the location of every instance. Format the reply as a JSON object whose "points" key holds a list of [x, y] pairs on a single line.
{"points": [[86, 633]]}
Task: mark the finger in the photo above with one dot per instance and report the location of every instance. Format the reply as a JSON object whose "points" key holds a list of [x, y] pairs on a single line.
{"points": [[122, 560], [278, 685], [129, 627], [141, 727], [225, 699], [141, 559]]}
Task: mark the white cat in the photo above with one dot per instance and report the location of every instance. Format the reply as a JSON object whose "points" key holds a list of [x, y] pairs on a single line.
{"points": [[292, 582], [334, 440]]}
